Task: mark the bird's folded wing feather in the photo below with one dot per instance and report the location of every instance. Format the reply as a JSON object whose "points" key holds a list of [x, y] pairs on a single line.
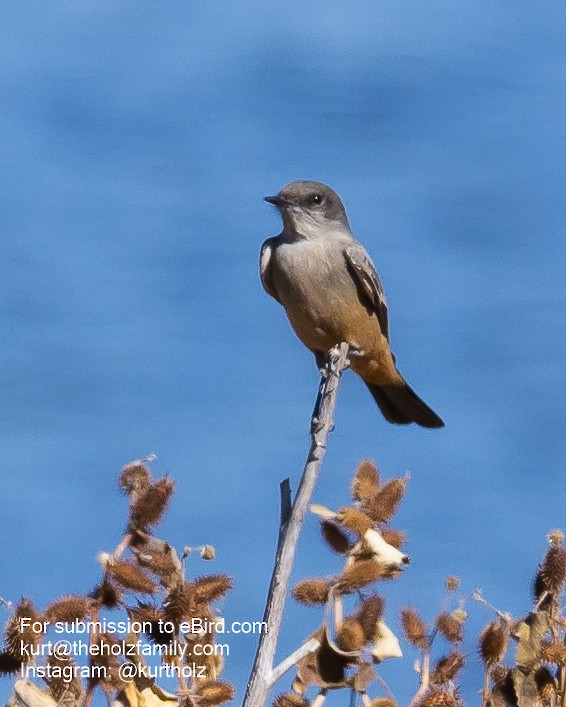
{"points": [[367, 281], [265, 267]]}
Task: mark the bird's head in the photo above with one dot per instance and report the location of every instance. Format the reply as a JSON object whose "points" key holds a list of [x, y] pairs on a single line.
{"points": [[310, 209]]}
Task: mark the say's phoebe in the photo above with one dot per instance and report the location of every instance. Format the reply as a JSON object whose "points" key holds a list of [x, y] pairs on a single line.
{"points": [[331, 293]]}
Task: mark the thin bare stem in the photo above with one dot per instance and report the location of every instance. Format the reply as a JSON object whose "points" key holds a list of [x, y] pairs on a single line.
{"points": [[261, 679], [485, 691], [425, 678], [319, 699], [308, 647]]}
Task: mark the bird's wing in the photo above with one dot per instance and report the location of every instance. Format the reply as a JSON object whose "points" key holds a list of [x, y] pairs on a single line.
{"points": [[367, 281], [265, 267]]}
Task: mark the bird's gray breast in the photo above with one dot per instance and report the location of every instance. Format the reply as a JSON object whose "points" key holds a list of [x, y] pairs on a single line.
{"points": [[315, 287]]}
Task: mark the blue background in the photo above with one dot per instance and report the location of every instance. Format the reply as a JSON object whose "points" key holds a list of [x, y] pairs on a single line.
{"points": [[138, 140]]}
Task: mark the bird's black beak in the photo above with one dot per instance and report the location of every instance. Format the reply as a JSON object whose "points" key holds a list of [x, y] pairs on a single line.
{"points": [[278, 201]]}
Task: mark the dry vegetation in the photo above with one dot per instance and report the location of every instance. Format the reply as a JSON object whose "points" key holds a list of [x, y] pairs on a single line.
{"points": [[143, 584], [144, 580]]}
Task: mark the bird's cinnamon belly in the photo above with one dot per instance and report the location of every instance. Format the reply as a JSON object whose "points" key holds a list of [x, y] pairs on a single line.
{"points": [[324, 309]]}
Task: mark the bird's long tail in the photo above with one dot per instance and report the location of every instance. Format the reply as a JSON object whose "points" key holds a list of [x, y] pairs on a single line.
{"points": [[400, 404]]}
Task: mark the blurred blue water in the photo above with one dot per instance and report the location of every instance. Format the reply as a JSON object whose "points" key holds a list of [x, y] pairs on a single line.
{"points": [[137, 142]]}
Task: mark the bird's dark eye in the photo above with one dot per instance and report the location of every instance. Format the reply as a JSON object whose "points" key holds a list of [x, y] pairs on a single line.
{"points": [[316, 199]]}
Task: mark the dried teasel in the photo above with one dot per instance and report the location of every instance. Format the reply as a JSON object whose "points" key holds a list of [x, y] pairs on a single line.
{"points": [[354, 519], [104, 663], [162, 562], [447, 668], [414, 628], [19, 634], [366, 481], [134, 477], [131, 577], [546, 684], [211, 587], [181, 603], [9, 664], [290, 699], [361, 573], [552, 570], [452, 584], [553, 652], [68, 609], [64, 685], [369, 613], [335, 537], [384, 702], [213, 692], [208, 552], [493, 643], [153, 618], [151, 504], [439, 698], [383, 506], [450, 627], [503, 685], [107, 594], [395, 538], [351, 635], [311, 591]]}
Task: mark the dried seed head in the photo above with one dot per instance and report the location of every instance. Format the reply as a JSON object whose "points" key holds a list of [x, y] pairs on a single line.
{"points": [[181, 603], [152, 503], [290, 699], [134, 477], [553, 652], [164, 563], [366, 481], [546, 684], [553, 568], [450, 627], [384, 702], [149, 614], [131, 577], [383, 506], [369, 613], [439, 698], [108, 662], [396, 538], [447, 668], [354, 519], [211, 587], [213, 692], [359, 574], [9, 664], [414, 628], [351, 635], [335, 537], [208, 552], [499, 674], [68, 609], [107, 594], [452, 584], [311, 592], [493, 643], [64, 685], [556, 537], [19, 635]]}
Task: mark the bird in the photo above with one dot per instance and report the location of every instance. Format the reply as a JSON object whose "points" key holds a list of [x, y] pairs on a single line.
{"points": [[331, 292]]}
